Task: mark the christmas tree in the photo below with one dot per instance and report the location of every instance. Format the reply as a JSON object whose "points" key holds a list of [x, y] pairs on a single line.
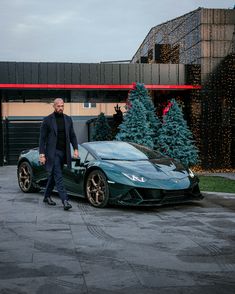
{"points": [[175, 139], [141, 93], [135, 127], [102, 130]]}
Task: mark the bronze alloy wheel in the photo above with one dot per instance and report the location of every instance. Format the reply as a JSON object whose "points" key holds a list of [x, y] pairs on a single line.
{"points": [[97, 190], [25, 177]]}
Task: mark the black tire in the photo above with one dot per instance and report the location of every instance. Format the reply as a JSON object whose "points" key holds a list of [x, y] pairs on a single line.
{"points": [[97, 189], [25, 178]]}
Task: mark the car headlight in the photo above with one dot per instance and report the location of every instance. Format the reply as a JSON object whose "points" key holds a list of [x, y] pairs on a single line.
{"points": [[135, 178], [191, 174]]}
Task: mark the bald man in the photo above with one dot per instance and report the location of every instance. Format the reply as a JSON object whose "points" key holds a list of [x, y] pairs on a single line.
{"points": [[56, 134]]}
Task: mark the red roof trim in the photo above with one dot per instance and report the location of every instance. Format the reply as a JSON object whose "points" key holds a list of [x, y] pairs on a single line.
{"points": [[97, 87]]}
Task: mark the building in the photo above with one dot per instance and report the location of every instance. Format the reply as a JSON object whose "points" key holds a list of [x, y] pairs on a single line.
{"points": [[27, 90], [204, 38]]}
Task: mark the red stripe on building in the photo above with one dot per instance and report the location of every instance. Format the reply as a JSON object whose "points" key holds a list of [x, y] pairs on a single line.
{"points": [[97, 87]]}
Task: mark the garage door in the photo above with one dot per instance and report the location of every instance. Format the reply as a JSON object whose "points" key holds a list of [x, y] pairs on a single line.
{"points": [[20, 135]]}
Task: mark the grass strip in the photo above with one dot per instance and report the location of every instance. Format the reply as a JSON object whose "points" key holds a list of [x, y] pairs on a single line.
{"points": [[216, 184]]}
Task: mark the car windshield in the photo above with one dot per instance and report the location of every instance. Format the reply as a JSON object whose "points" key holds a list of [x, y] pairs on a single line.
{"points": [[116, 150]]}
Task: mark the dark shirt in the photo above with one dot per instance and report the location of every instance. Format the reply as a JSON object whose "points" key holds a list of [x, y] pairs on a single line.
{"points": [[60, 144]]}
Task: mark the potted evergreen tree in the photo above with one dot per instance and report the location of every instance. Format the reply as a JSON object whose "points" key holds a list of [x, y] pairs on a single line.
{"points": [[102, 130], [175, 138]]}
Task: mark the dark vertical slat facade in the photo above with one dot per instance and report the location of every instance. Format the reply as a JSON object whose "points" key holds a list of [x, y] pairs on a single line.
{"points": [[4, 72], [21, 136], [1, 132], [96, 74]]}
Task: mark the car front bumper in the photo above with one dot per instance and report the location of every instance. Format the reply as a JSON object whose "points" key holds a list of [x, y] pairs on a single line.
{"points": [[157, 197]]}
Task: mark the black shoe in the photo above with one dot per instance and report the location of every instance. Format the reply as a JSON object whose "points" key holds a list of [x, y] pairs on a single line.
{"points": [[49, 201], [67, 205]]}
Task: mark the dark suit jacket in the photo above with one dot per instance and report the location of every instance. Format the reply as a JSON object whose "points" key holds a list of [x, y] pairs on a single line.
{"points": [[48, 139]]}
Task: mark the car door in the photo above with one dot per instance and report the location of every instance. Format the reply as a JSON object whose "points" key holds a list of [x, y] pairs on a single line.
{"points": [[74, 177]]}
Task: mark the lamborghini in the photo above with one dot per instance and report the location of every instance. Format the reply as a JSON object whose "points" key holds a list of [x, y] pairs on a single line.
{"points": [[115, 172]]}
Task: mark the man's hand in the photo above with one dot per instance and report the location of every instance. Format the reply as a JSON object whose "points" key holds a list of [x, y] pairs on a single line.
{"points": [[75, 154], [42, 159]]}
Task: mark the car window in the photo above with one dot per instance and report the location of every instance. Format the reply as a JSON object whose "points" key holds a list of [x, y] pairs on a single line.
{"points": [[151, 154], [82, 153], [116, 150]]}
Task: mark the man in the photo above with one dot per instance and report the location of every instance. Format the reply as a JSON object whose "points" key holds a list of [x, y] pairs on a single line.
{"points": [[56, 134]]}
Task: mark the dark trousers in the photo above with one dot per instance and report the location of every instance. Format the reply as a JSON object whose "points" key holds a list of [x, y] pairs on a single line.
{"points": [[55, 178]]}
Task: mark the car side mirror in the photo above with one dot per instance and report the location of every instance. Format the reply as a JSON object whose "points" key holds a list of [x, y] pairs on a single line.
{"points": [[77, 161]]}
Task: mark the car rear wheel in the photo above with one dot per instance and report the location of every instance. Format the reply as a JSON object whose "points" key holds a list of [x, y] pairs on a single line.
{"points": [[25, 178], [97, 190]]}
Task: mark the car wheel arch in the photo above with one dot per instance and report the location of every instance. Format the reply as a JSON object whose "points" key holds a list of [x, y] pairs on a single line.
{"points": [[88, 171], [24, 159]]}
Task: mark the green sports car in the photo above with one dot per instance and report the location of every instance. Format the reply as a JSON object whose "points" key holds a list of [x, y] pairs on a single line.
{"points": [[114, 172]]}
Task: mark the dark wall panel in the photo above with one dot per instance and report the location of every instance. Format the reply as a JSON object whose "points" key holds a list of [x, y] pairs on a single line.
{"points": [[124, 73], [138, 75], [173, 74], [99, 73], [76, 73], [43, 73], [102, 73], [164, 74], [85, 73], [132, 74], [11, 72], [181, 74], [155, 74], [94, 74], [35, 73], [27, 72], [116, 74], [60, 73], [108, 74], [20, 72], [1, 132], [4, 72], [52, 73], [146, 71], [68, 73]]}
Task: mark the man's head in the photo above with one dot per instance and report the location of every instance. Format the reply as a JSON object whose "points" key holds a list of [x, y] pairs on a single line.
{"points": [[58, 105]]}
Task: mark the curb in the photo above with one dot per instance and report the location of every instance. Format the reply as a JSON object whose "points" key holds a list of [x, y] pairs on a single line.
{"points": [[232, 195]]}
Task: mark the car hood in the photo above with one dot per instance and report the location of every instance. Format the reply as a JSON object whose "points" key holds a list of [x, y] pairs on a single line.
{"points": [[163, 168]]}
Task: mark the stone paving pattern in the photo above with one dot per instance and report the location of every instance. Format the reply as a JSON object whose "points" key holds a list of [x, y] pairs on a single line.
{"points": [[188, 248]]}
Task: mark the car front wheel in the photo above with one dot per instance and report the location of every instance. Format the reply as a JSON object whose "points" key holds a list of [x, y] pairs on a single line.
{"points": [[25, 177], [97, 190]]}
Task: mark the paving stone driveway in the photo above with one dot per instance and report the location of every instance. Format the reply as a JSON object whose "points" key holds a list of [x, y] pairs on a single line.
{"points": [[174, 249]]}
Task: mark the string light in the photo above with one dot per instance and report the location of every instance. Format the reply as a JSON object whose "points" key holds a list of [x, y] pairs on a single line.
{"points": [[212, 109]]}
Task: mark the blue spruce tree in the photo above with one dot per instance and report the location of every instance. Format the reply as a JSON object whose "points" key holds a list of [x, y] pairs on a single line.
{"points": [[135, 127], [141, 93], [102, 130], [175, 138]]}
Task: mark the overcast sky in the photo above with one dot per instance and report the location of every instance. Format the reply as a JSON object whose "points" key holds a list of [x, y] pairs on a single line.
{"points": [[84, 30]]}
